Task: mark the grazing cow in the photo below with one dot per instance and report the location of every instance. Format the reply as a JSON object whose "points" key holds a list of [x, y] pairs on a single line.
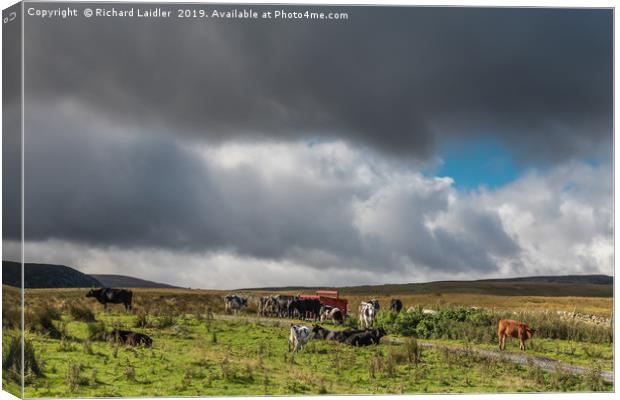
{"points": [[270, 306], [114, 296], [298, 337], [366, 338], [129, 338], [306, 308], [282, 305], [260, 309], [367, 314], [396, 305], [515, 329], [333, 313], [233, 303]]}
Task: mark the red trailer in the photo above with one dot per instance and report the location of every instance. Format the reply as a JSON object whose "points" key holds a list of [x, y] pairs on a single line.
{"points": [[330, 298]]}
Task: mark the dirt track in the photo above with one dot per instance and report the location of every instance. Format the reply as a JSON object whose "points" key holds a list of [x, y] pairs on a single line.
{"points": [[545, 363]]}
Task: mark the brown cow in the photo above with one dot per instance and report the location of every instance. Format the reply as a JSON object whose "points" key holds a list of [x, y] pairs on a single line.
{"points": [[515, 329]]}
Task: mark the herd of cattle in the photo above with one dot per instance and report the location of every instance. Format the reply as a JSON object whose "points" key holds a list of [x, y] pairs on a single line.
{"points": [[284, 306]]}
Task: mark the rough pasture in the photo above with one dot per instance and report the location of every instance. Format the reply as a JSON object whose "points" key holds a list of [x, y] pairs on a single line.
{"points": [[244, 356]]}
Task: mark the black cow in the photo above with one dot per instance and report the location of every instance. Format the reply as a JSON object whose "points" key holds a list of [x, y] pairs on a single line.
{"points": [[306, 308], [366, 338], [129, 338], [396, 305], [114, 296], [340, 336]]}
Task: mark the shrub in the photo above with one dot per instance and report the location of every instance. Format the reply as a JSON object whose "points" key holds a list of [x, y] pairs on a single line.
{"points": [[351, 321], [478, 325]]}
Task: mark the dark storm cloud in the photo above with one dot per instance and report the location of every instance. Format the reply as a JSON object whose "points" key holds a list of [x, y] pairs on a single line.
{"points": [[122, 189], [395, 79], [125, 119]]}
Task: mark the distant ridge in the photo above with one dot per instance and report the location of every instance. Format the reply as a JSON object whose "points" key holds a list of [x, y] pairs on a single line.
{"points": [[38, 276], [123, 281], [560, 285], [50, 276], [592, 279]]}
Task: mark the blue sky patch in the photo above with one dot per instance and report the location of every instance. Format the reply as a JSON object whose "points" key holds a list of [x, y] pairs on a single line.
{"points": [[472, 162]]}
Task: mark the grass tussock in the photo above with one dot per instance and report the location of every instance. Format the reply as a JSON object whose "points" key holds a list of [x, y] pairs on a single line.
{"points": [[81, 313]]}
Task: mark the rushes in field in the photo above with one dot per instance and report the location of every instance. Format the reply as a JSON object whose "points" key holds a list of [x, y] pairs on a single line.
{"points": [[42, 321], [93, 377], [165, 321], [65, 345], [74, 378], [376, 364], [142, 320], [593, 353], [391, 359], [413, 350], [88, 347], [80, 313], [562, 380], [535, 373], [12, 358], [96, 330], [594, 379], [227, 371], [129, 372], [12, 354], [11, 317]]}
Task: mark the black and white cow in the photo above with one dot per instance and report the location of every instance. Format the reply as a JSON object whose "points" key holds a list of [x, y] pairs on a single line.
{"points": [[233, 303], [298, 337], [367, 313], [331, 313], [114, 296]]}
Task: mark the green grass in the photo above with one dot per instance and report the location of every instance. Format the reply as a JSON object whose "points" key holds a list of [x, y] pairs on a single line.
{"points": [[238, 357]]}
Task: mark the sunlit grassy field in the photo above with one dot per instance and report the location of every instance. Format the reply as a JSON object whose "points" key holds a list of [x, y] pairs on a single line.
{"points": [[195, 352], [202, 357]]}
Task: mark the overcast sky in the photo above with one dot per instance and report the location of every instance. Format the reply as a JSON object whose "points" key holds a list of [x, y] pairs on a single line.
{"points": [[400, 145]]}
